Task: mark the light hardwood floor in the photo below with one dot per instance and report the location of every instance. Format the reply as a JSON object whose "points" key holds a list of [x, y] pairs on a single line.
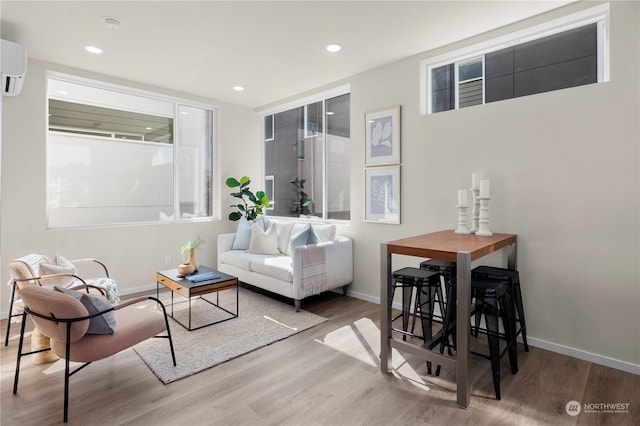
{"points": [[328, 375]]}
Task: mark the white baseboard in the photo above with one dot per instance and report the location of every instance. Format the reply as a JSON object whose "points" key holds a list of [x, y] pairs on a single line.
{"points": [[543, 344], [584, 355]]}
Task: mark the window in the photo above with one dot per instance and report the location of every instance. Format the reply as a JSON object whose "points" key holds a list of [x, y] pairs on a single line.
{"points": [[115, 157], [571, 56], [307, 159]]}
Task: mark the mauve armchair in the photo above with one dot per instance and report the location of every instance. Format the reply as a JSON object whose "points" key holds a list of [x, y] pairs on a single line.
{"points": [[66, 320]]}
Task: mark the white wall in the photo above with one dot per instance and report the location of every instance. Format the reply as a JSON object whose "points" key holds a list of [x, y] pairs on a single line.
{"points": [[564, 171], [132, 253]]}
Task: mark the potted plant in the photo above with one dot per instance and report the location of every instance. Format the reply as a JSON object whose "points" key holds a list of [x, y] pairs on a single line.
{"points": [[190, 264], [301, 202], [251, 205]]}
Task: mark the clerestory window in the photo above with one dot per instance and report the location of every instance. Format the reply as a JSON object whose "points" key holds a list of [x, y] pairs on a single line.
{"points": [[570, 56]]}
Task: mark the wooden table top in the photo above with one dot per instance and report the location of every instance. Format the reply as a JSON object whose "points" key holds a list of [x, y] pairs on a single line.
{"points": [[445, 245]]}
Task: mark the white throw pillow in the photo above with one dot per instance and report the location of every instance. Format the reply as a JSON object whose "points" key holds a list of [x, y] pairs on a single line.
{"points": [[60, 266], [283, 229], [263, 242]]}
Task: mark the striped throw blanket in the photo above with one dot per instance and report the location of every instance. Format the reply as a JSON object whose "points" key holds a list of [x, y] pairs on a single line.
{"points": [[314, 270]]}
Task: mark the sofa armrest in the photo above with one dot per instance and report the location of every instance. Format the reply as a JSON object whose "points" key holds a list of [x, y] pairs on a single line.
{"points": [[338, 264], [225, 243]]}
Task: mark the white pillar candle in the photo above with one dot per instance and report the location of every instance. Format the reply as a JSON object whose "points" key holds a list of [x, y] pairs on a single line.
{"points": [[475, 180], [462, 197], [484, 189]]}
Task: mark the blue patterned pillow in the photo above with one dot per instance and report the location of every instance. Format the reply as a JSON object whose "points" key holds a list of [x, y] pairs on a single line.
{"points": [[321, 234], [299, 237], [243, 233]]}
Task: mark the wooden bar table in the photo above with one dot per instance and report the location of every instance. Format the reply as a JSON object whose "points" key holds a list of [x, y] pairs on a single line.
{"points": [[442, 245]]}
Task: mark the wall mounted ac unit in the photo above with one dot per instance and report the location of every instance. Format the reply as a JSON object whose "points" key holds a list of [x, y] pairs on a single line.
{"points": [[13, 66]]}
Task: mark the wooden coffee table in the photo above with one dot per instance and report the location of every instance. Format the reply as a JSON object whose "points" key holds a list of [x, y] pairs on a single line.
{"points": [[179, 284]]}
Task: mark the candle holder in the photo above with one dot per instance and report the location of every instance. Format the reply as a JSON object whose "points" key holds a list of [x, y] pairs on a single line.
{"points": [[483, 219], [475, 212], [462, 228]]}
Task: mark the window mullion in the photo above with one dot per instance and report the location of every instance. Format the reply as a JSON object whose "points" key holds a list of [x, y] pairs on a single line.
{"points": [[325, 193], [177, 124]]}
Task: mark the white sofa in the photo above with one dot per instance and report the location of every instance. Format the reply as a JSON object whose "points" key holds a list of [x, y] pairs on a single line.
{"points": [[301, 265]]}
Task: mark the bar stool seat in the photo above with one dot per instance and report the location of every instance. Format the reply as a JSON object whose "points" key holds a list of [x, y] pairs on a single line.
{"points": [[427, 284]]}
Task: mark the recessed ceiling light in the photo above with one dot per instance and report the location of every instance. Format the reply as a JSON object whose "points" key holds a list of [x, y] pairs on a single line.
{"points": [[112, 23], [333, 47], [149, 128], [93, 49], [238, 88], [330, 113]]}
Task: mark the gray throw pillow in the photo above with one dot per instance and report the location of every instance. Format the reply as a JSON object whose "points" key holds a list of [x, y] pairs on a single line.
{"points": [[102, 324]]}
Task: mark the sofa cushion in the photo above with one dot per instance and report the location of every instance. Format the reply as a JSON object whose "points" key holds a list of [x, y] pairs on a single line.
{"points": [[278, 267], [321, 233], [299, 237], [263, 241], [283, 229], [239, 258]]}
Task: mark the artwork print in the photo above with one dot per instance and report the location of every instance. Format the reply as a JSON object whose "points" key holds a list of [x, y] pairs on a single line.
{"points": [[381, 132], [382, 194], [382, 137]]}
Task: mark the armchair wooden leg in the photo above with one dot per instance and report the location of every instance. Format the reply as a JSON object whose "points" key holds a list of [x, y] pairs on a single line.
{"points": [[297, 304]]}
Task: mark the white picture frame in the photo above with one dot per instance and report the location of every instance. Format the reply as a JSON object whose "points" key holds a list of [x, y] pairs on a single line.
{"points": [[382, 194], [382, 136]]}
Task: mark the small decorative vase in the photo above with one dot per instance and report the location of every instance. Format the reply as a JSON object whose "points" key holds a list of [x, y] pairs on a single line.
{"points": [[186, 269], [192, 260]]}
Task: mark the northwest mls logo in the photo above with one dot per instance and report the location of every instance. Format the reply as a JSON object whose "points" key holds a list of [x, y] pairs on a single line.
{"points": [[573, 408]]}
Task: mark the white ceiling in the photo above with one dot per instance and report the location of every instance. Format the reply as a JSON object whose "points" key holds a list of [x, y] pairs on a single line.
{"points": [[274, 49]]}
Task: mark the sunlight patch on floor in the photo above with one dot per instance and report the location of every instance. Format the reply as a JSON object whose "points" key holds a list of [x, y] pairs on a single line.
{"points": [[282, 324], [58, 366], [361, 340]]}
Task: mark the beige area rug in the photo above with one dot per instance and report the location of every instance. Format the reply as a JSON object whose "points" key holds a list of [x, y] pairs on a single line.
{"points": [[262, 321]]}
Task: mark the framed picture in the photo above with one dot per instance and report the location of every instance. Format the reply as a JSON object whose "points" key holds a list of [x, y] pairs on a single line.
{"points": [[382, 137], [382, 194]]}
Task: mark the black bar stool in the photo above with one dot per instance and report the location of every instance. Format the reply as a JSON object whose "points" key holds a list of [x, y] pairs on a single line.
{"points": [[514, 284], [493, 300], [427, 284]]}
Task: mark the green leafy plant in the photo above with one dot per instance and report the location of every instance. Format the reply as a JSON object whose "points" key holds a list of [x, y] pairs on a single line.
{"points": [[302, 201], [251, 205], [191, 245]]}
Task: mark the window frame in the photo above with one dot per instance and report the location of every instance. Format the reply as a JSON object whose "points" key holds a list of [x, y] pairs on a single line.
{"points": [[176, 102], [302, 103], [598, 15]]}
